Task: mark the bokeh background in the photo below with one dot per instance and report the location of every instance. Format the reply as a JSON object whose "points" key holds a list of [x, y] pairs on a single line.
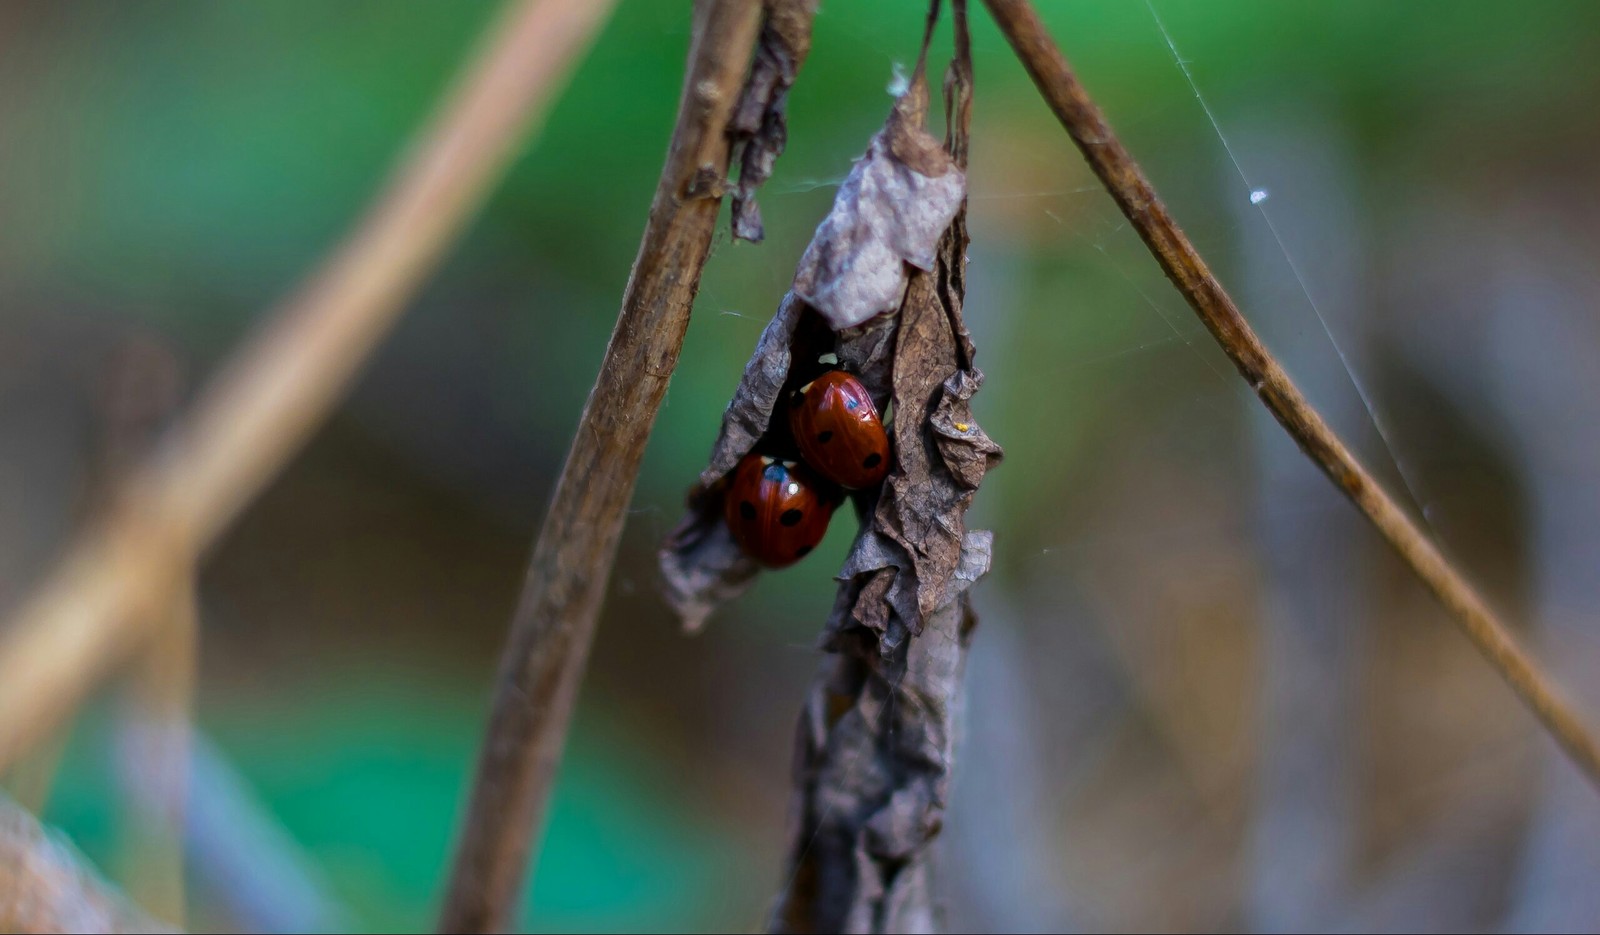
{"points": [[1202, 695]]}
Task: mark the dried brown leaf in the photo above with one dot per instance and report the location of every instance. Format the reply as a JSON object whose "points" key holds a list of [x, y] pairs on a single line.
{"points": [[702, 568], [760, 126], [941, 454], [902, 197], [893, 207], [872, 773], [876, 743]]}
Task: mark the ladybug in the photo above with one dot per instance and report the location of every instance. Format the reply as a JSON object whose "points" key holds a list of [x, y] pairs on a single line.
{"points": [[838, 430], [777, 510]]}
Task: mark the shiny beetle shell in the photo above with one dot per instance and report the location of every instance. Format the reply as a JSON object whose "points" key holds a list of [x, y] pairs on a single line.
{"points": [[777, 510], [838, 430]]}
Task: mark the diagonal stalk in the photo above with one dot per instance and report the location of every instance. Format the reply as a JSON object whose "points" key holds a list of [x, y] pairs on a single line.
{"points": [[106, 593], [1179, 259], [543, 659]]}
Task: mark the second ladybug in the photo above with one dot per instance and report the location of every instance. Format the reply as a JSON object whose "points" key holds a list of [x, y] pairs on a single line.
{"points": [[777, 510], [839, 432]]}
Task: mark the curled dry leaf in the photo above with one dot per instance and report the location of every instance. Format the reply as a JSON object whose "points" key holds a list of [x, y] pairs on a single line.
{"points": [[872, 775], [749, 414], [900, 199], [760, 126], [890, 212], [701, 566], [904, 564], [876, 742], [881, 288]]}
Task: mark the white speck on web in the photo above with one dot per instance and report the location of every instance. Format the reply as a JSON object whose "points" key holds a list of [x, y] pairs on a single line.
{"points": [[1258, 196]]}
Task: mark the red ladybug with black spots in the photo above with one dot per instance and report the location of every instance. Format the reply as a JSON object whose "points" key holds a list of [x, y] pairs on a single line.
{"points": [[839, 432], [777, 510]]}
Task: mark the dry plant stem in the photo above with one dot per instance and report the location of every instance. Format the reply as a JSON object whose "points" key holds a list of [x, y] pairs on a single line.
{"points": [[1133, 193], [543, 659], [47, 886], [109, 589]]}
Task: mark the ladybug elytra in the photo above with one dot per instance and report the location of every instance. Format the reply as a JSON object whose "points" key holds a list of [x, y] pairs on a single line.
{"points": [[777, 510], [839, 432]]}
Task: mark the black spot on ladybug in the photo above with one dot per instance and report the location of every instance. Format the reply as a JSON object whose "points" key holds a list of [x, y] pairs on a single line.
{"points": [[802, 552], [790, 517], [747, 509], [872, 461], [824, 437]]}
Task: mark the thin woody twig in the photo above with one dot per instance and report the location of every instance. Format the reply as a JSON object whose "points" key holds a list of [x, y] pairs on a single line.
{"points": [[1132, 191], [543, 659], [107, 592]]}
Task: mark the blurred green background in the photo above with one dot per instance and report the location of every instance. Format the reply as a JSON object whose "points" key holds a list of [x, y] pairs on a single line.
{"points": [[1424, 179]]}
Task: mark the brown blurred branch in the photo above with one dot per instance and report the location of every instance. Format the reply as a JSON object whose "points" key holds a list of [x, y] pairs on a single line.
{"points": [[108, 590], [1132, 191], [542, 663], [47, 886]]}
